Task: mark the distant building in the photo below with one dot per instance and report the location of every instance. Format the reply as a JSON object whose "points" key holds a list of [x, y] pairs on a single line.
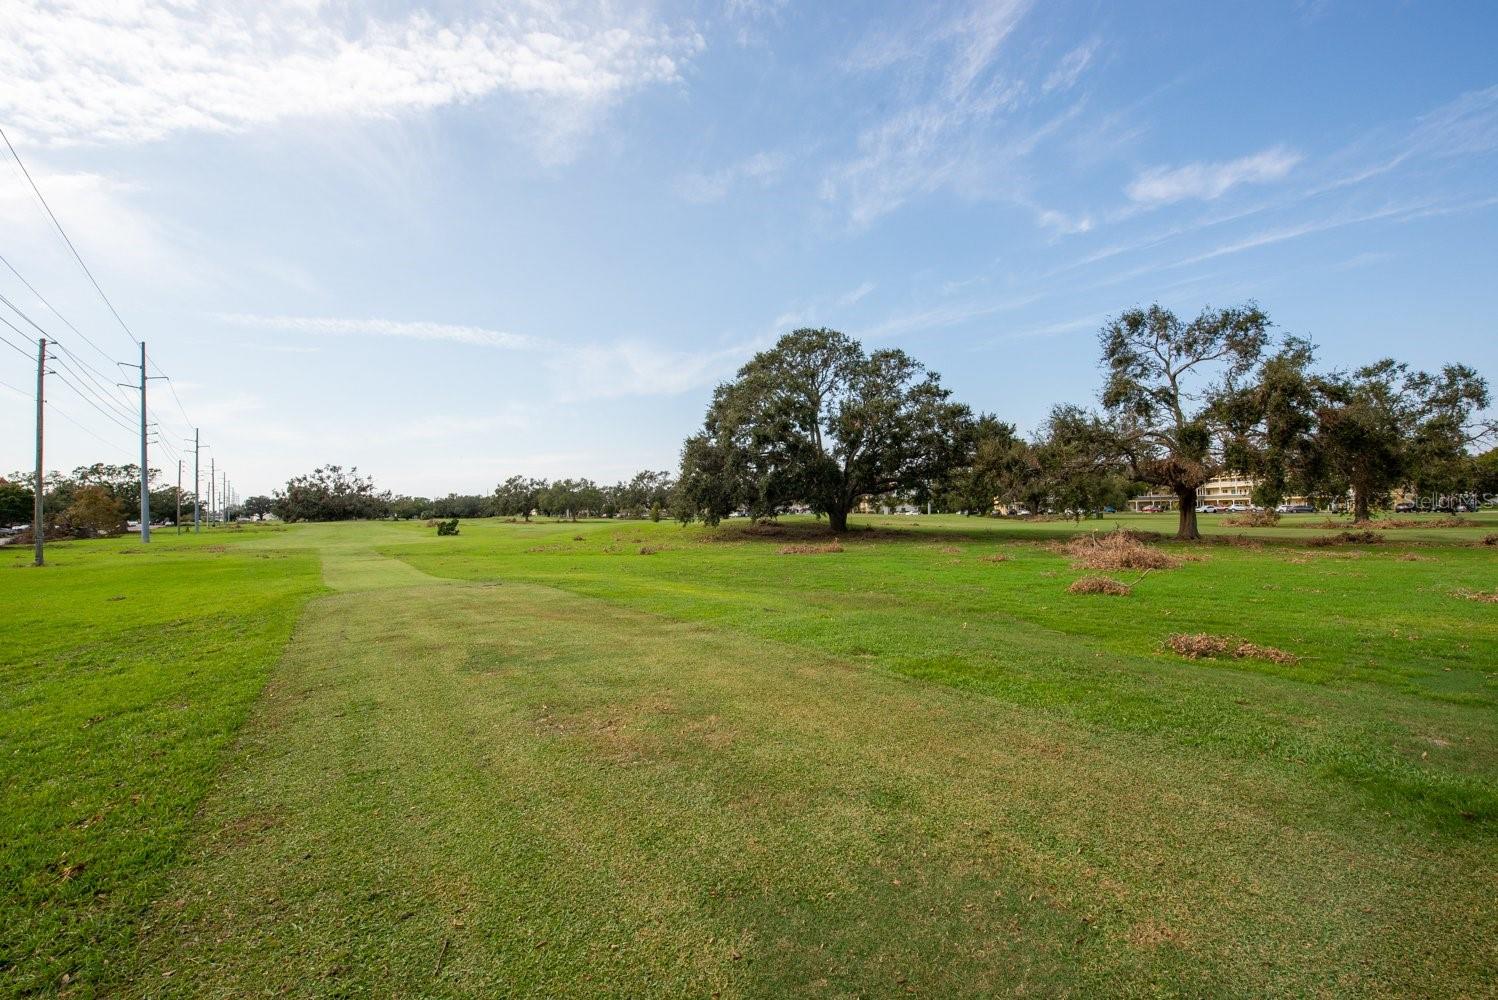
{"points": [[1220, 491]]}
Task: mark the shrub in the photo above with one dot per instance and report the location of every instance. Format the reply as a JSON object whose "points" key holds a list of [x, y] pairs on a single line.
{"points": [[1200, 645], [1115, 550], [1099, 585], [449, 527]]}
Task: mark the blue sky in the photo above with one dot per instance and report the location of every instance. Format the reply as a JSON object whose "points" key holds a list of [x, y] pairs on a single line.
{"points": [[453, 242]]}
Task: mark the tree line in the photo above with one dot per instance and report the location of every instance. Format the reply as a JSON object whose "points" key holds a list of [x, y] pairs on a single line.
{"points": [[816, 419], [332, 493], [818, 422], [92, 500]]}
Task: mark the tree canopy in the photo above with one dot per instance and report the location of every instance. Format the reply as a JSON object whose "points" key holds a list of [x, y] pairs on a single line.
{"points": [[816, 419]]}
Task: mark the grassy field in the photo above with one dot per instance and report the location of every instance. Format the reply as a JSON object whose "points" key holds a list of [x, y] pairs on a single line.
{"points": [[630, 758]]}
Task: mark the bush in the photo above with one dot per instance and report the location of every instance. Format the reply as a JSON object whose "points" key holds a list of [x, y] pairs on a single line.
{"points": [[449, 527]]}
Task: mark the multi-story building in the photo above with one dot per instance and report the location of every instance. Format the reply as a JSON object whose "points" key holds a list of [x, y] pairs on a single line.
{"points": [[1220, 491]]}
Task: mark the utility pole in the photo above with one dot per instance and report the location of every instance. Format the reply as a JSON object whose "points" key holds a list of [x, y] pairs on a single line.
{"points": [[212, 480], [178, 521], [197, 525], [224, 499], [38, 530], [145, 468]]}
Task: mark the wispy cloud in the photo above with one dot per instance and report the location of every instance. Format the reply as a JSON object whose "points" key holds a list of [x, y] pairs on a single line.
{"points": [[932, 140], [421, 330], [89, 73], [1207, 181], [1070, 68], [762, 168]]}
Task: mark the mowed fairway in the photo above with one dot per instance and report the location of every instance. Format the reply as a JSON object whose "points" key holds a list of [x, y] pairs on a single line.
{"points": [[618, 758]]}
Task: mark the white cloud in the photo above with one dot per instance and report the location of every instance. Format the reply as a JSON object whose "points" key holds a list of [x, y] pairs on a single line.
{"points": [[421, 330], [761, 168], [1070, 68], [1206, 181], [100, 217], [856, 295], [86, 72], [955, 126], [636, 368]]}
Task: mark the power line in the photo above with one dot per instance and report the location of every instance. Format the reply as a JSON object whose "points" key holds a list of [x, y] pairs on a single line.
{"points": [[78, 424], [43, 300], [63, 233], [81, 395], [117, 407]]}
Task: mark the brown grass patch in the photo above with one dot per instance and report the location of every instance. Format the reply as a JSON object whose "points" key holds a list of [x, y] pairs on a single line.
{"points": [[994, 557], [1489, 539], [1115, 550], [1201, 645], [950, 550], [1363, 537], [650, 550], [1099, 585], [1253, 519], [1409, 522], [1481, 596], [810, 549], [1412, 557]]}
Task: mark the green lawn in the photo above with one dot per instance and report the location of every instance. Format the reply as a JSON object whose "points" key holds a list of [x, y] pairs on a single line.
{"points": [[628, 758]]}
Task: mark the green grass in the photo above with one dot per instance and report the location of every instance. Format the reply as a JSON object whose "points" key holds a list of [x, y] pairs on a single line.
{"points": [[126, 672], [531, 760]]}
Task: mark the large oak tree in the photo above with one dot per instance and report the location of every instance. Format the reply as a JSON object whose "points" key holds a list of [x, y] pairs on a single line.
{"points": [[1166, 378], [818, 420]]}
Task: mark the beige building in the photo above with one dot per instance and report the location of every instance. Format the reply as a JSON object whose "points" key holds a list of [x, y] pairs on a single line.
{"points": [[1220, 491]]}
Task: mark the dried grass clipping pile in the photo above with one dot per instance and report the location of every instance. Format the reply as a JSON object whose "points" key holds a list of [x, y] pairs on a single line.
{"points": [[1347, 538], [996, 557], [1253, 519], [1481, 596], [1201, 645], [1099, 585], [1115, 550], [810, 549]]}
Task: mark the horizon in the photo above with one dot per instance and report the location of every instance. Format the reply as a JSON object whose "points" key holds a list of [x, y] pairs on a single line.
{"points": [[448, 246]]}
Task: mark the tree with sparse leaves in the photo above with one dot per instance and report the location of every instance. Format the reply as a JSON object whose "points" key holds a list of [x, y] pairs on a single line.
{"points": [[1166, 378]]}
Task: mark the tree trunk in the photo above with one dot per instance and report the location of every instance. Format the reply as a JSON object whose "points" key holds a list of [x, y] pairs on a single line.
{"points": [[1186, 530], [1359, 504], [838, 519]]}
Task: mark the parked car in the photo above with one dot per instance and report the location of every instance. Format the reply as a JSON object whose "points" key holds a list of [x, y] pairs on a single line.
{"points": [[1239, 508], [1404, 508], [1207, 508], [1295, 508]]}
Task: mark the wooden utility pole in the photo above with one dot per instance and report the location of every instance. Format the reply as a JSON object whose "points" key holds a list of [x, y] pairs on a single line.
{"points": [[178, 521], [38, 530]]}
